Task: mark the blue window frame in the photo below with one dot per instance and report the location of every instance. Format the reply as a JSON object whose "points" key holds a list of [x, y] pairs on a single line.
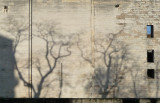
{"points": [[150, 31]]}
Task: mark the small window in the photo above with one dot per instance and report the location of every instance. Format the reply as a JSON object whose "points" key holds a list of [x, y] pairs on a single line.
{"points": [[5, 8], [150, 56], [150, 31], [117, 5], [150, 73]]}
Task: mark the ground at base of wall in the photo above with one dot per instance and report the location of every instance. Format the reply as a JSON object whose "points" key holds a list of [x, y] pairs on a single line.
{"points": [[78, 100]]}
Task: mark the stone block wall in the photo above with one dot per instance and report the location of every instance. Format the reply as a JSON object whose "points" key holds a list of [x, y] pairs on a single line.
{"points": [[79, 48]]}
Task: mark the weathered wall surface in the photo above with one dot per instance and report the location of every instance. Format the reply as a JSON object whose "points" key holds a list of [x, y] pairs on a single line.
{"points": [[80, 48]]}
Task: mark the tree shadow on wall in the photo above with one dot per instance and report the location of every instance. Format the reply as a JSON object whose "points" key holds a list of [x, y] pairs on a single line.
{"points": [[7, 64]]}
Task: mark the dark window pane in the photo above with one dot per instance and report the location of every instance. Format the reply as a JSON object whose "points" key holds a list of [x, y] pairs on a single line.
{"points": [[150, 56], [150, 73]]}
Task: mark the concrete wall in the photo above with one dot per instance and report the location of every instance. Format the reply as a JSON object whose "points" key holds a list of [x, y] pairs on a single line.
{"points": [[82, 48]]}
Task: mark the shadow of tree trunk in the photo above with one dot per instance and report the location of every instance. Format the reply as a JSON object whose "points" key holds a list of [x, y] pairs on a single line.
{"points": [[61, 81]]}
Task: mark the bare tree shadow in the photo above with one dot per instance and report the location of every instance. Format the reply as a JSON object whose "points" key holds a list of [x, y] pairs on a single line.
{"points": [[112, 57], [57, 47], [107, 77]]}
